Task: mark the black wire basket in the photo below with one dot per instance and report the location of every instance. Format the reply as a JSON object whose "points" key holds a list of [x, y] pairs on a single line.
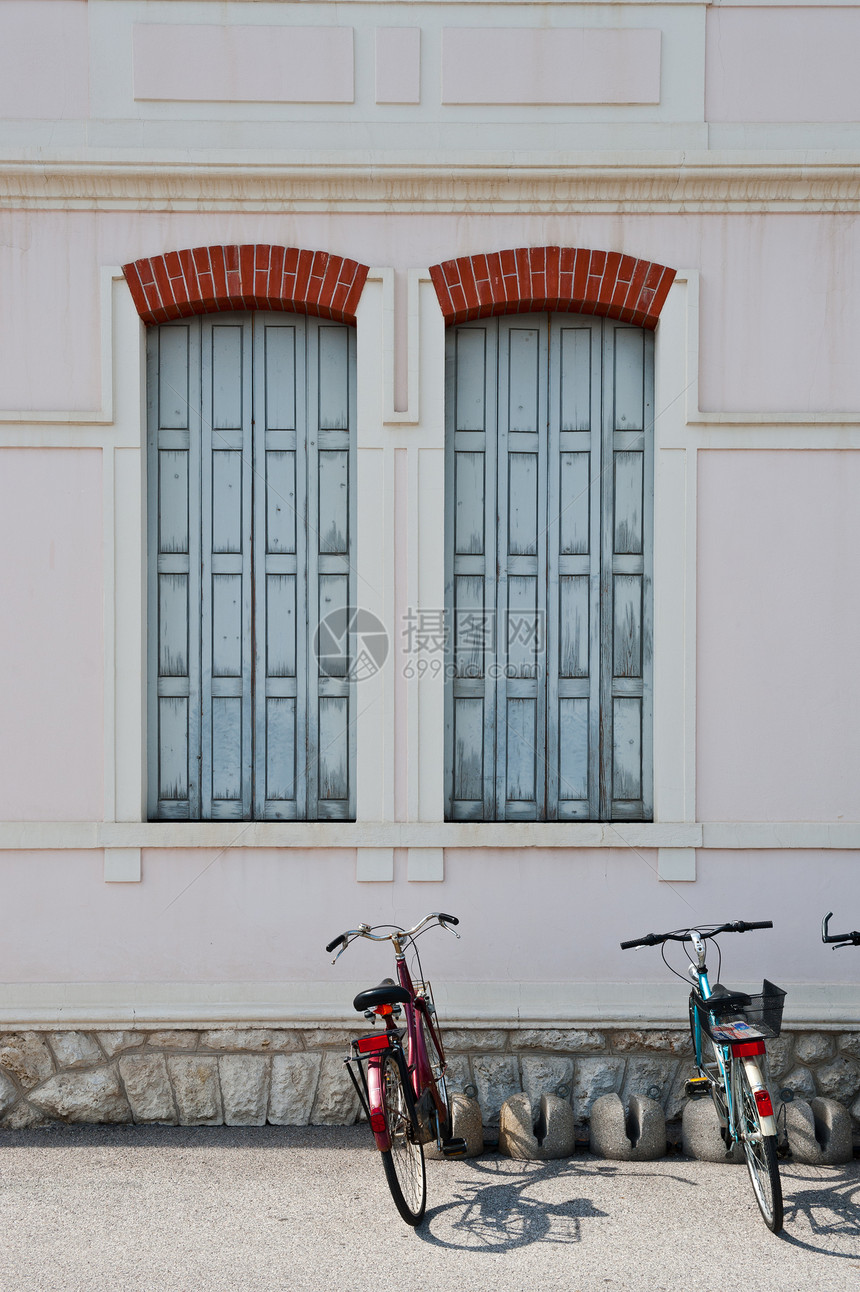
{"points": [[729, 1021]]}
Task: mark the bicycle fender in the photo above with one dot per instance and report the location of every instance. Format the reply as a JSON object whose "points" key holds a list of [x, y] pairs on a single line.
{"points": [[378, 1124], [768, 1124]]}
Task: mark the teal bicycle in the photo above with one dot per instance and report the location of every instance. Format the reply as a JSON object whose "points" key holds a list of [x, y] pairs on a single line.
{"points": [[729, 1030]]}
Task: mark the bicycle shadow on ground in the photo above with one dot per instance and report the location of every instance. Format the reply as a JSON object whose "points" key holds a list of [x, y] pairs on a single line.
{"points": [[495, 1213], [828, 1199]]}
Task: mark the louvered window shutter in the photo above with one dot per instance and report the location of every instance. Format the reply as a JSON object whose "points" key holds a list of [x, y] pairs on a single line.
{"points": [[251, 447], [549, 468]]}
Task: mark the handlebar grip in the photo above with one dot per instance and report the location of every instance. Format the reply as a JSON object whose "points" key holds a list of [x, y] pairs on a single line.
{"points": [[650, 940], [746, 925], [449, 919], [341, 938]]}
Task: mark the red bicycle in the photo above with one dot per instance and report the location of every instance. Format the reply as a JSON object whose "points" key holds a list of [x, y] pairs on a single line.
{"points": [[403, 1093]]}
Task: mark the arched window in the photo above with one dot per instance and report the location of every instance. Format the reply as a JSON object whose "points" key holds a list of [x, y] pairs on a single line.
{"points": [[251, 477], [549, 456]]}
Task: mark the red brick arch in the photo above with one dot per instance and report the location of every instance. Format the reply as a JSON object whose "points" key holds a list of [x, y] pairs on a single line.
{"points": [[255, 276], [569, 279]]}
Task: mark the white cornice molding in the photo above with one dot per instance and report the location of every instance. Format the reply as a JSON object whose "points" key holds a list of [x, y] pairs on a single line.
{"points": [[627, 184]]}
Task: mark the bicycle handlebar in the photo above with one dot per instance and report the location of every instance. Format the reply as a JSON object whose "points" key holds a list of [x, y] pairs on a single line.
{"points": [[365, 931], [706, 931], [843, 939]]}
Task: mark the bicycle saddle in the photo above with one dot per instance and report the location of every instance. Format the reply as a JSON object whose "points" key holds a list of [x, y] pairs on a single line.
{"points": [[726, 1001], [387, 993]]}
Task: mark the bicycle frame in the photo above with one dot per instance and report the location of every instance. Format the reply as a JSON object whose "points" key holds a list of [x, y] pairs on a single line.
{"points": [[729, 1056]]}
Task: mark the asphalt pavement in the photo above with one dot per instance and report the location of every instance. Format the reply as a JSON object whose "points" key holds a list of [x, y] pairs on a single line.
{"points": [[220, 1209]]}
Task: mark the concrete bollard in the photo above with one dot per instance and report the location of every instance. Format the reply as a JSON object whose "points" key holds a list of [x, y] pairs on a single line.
{"points": [[700, 1134], [465, 1124], [819, 1133], [551, 1136], [638, 1136]]}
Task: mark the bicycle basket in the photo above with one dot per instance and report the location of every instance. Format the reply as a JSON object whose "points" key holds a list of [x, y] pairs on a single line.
{"points": [[762, 1017]]}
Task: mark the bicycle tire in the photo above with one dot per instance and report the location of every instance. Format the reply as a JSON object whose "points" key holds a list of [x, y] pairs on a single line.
{"points": [[437, 1066], [403, 1163], [760, 1153]]}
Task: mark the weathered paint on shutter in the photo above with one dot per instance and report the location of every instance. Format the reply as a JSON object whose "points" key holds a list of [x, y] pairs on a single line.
{"points": [[225, 610], [280, 561], [573, 621], [251, 467], [521, 569], [626, 602], [173, 489], [471, 388], [330, 750], [549, 470]]}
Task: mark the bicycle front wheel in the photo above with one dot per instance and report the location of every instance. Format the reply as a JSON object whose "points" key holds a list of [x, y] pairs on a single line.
{"points": [[760, 1152], [437, 1071], [404, 1161]]}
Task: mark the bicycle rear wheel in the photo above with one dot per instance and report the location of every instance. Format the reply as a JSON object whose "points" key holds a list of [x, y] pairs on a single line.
{"points": [[760, 1152], [437, 1067], [404, 1161]]}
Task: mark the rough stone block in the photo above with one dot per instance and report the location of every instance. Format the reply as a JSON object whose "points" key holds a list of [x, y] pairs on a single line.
{"points": [[336, 1103], [23, 1117], [544, 1075], [497, 1077], [458, 1074], [700, 1134], [113, 1042], [663, 1042], [568, 1040], [820, 1133], [8, 1093], [251, 1038], [593, 1078], [320, 1038], [639, 1135], [677, 1096], [813, 1047], [244, 1088], [849, 1042], [75, 1050], [839, 1080], [194, 1079], [472, 1040], [465, 1124], [292, 1088], [83, 1097], [800, 1082], [172, 1039], [780, 1055], [855, 1110], [148, 1087], [26, 1056], [649, 1077], [550, 1136]]}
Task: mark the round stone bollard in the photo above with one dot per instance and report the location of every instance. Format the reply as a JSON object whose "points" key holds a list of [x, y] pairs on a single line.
{"points": [[819, 1133], [551, 1136], [637, 1136], [700, 1134], [465, 1124]]}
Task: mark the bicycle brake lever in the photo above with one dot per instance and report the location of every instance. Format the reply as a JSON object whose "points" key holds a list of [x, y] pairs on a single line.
{"points": [[340, 953], [450, 930]]}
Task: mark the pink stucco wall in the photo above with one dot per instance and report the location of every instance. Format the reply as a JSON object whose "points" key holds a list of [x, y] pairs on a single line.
{"points": [[778, 626], [780, 295], [51, 636], [549, 916], [44, 60]]}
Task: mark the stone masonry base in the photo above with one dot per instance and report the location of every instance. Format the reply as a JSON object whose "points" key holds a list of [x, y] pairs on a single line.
{"points": [[295, 1076]]}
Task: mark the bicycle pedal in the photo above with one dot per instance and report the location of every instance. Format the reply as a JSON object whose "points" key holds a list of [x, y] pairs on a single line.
{"points": [[453, 1148], [697, 1087]]}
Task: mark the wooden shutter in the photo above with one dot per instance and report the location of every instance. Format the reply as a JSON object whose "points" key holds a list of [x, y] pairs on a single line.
{"points": [[627, 545], [251, 466], [549, 469], [174, 528]]}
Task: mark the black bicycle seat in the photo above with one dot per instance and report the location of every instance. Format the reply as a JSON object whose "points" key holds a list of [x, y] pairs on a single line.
{"points": [[723, 1001], [387, 993]]}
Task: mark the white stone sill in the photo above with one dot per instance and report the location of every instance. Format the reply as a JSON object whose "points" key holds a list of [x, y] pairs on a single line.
{"points": [[729, 835]]}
